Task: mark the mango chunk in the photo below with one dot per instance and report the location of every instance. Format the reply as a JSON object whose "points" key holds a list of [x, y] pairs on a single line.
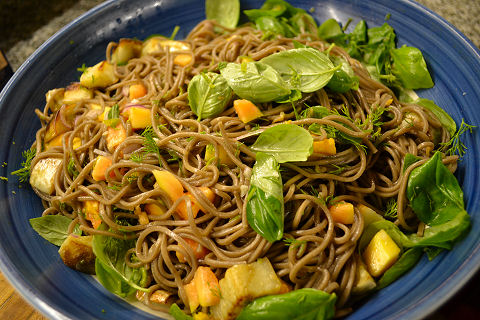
{"points": [[92, 213], [325, 147], [342, 212], [246, 110], [115, 136], [381, 253], [191, 291], [169, 183], [223, 157], [182, 207], [100, 168], [43, 174], [139, 117], [100, 75]]}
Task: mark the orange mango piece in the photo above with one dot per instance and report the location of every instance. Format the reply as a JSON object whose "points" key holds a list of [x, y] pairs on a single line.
{"points": [[154, 209], [199, 250], [246, 110], [115, 136], [92, 213], [208, 289], [191, 291], [55, 142], [326, 147], [169, 183], [139, 117], [136, 91], [182, 207], [100, 168], [182, 59], [342, 212]]}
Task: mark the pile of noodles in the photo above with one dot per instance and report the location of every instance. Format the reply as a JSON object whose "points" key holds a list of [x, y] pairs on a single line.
{"points": [[325, 256]]}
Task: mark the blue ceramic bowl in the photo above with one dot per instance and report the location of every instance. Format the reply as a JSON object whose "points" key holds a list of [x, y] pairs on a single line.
{"points": [[33, 266]]}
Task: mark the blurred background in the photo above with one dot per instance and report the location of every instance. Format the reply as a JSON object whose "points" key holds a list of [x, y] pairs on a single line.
{"points": [[26, 24]]}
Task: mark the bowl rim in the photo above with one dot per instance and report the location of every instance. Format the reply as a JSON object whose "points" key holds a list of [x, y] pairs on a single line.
{"points": [[423, 307]]}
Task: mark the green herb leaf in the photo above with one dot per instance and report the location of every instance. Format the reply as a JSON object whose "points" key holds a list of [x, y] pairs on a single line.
{"points": [[410, 68], [53, 228], [113, 116], [304, 69], [24, 172], [343, 79], [115, 273], [208, 94], [225, 12], [178, 314], [257, 82], [330, 30], [304, 304], [265, 198], [444, 118], [406, 262], [286, 142]]}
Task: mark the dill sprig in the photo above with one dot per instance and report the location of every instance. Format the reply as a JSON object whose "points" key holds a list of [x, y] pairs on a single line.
{"points": [[24, 172], [455, 146], [72, 169], [294, 243], [149, 145], [391, 210]]}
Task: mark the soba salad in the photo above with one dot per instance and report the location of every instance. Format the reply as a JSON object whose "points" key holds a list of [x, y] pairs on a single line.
{"points": [[266, 169]]}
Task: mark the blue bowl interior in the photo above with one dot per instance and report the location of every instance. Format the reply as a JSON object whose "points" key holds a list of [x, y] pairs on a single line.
{"points": [[33, 265]]}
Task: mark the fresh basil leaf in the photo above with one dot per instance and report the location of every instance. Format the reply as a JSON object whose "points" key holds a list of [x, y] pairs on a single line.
{"points": [[53, 228], [225, 12], [208, 94], [110, 253], [271, 25], [272, 8], [286, 142], [304, 304], [433, 252], [410, 68], [265, 198], [112, 281], [409, 160], [343, 79], [406, 262], [304, 69], [330, 30], [434, 193], [444, 118], [302, 21], [356, 39], [178, 314], [255, 81]]}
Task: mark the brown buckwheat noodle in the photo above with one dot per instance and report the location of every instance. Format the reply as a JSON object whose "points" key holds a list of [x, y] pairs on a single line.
{"points": [[326, 256]]}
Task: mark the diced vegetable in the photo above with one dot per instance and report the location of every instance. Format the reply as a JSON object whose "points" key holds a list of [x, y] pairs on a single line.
{"points": [[57, 125], [199, 251], [43, 174], [169, 183], [369, 215], [139, 117], [223, 157], [326, 147], [192, 295], [76, 93], [246, 110], [381, 253], [201, 316], [342, 212], [126, 49], [115, 136], [54, 97], [243, 283], [142, 216], [155, 45], [154, 209], [55, 142], [92, 213], [100, 75], [100, 168], [363, 280], [182, 59], [136, 91], [76, 143], [182, 207], [77, 253], [207, 287]]}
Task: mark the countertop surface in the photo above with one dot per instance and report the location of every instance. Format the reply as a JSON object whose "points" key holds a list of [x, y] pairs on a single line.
{"points": [[25, 25]]}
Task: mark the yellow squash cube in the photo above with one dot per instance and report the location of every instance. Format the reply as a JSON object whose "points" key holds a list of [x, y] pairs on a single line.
{"points": [[381, 253]]}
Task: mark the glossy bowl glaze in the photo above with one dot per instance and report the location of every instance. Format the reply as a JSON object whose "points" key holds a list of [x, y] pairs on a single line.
{"points": [[33, 266]]}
